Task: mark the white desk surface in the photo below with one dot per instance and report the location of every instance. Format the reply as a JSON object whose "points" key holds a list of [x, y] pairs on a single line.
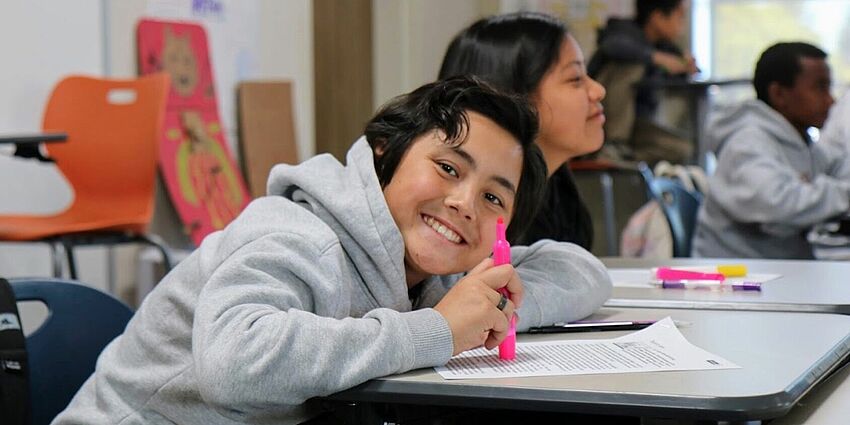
{"points": [[805, 286], [782, 356]]}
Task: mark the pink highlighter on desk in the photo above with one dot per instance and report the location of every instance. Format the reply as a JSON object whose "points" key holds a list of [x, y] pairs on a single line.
{"points": [[502, 255], [716, 273], [669, 277], [667, 273]]}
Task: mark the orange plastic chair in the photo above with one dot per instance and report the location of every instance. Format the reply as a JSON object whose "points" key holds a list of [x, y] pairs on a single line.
{"points": [[109, 159]]}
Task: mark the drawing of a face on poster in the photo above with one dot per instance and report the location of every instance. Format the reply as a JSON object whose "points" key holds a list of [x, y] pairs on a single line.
{"points": [[180, 63]]}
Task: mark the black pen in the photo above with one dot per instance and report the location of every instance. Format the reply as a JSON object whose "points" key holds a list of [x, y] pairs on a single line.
{"points": [[591, 326]]}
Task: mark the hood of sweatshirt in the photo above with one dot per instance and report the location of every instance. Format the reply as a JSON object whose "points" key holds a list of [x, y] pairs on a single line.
{"points": [[350, 200], [754, 113], [620, 26]]}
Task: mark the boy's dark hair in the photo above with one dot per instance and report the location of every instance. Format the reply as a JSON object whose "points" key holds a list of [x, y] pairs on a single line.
{"points": [[644, 8], [781, 63], [443, 106], [512, 51]]}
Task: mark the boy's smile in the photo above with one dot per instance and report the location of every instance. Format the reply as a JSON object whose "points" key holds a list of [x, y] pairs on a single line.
{"points": [[445, 200]]}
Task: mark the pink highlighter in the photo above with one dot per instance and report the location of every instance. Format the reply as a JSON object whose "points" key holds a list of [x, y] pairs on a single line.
{"points": [[502, 255], [669, 273]]}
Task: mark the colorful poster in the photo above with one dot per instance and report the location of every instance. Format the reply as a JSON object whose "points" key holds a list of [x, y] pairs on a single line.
{"points": [[202, 179]]}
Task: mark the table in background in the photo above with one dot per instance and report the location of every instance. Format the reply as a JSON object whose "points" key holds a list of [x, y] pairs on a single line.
{"points": [[805, 286], [697, 94], [27, 145], [782, 356]]}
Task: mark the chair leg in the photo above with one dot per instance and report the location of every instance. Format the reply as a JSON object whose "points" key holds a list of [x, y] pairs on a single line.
{"points": [[110, 268], [69, 252], [55, 259], [159, 244], [611, 237]]}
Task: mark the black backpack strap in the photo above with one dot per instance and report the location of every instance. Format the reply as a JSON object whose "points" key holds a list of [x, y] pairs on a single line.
{"points": [[14, 368]]}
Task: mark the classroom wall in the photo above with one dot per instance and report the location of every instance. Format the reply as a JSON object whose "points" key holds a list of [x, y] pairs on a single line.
{"points": [[43, 40], [285, 51], [47, 39], [410, 38]]}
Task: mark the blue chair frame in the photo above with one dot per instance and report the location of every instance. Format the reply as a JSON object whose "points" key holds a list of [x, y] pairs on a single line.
{"points": [[63, 351], [679, 205]]}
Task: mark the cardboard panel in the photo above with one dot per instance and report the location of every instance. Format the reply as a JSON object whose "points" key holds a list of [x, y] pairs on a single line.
{"points": [[266, 130]]}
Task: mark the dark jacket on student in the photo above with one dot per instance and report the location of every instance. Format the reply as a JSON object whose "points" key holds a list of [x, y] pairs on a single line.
{"points": [[770, 187], [622, 40], [563, 216], [303, 295]]}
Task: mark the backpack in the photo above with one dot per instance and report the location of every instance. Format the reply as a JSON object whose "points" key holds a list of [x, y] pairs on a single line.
{"points": [[647, 234], [14, 368]]}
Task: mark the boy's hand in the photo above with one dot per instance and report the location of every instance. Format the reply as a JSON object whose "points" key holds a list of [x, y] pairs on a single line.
{"points": [[470, 306]]}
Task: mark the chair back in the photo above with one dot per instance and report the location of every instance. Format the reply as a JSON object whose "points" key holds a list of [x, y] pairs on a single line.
{"points": [[679, 206], [81, 321], [110, 156]]}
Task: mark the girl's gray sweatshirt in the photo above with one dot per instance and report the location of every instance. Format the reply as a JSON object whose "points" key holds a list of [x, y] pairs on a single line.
{"points": [[303, 295]]}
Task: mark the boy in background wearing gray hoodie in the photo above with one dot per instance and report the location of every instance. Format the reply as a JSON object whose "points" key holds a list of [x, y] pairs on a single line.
{"points": [[346, 273], [772, 182]]}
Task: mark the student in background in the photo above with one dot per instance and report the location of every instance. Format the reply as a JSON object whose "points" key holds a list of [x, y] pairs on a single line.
{"points": [[533, 54], [350, 272], [772, 183], [631, 57]]}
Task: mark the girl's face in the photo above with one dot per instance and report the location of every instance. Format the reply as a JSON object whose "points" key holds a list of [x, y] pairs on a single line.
{"points": [[446, 200], [568, 102]]}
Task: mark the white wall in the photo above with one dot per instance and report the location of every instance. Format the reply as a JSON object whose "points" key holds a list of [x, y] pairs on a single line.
{"points": [[285, 51], [43, 40], [409, 39]]}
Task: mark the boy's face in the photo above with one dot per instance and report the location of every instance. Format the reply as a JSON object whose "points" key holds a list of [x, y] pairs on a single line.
{"points": [[806, 103], [445, 201]]}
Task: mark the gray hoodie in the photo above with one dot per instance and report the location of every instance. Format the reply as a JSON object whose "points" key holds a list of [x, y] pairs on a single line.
{"points": [[303, 295], [770, 186]]}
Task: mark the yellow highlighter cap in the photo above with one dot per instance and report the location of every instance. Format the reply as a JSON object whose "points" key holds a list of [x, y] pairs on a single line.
{"points": [[732, 270]]}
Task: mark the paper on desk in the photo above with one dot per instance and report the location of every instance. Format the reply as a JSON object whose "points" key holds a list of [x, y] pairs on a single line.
{"points": [[660, 347], [639, 278]]}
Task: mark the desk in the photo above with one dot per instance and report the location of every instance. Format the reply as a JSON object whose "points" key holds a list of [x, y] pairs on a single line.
{"points": [[697, 96], [827, 404], [805, 286], [782, 356], [27, 145]]}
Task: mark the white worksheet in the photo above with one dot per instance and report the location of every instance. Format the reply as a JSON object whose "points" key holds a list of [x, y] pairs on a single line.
{"points": [[660, 347]]}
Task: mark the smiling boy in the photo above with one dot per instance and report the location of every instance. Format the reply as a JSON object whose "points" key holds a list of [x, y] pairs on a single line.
{"points": [[346, 273], [772, 182]]}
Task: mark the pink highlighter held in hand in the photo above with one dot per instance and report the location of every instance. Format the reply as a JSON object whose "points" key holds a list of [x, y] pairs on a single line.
{"points": [[502, 255]]}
